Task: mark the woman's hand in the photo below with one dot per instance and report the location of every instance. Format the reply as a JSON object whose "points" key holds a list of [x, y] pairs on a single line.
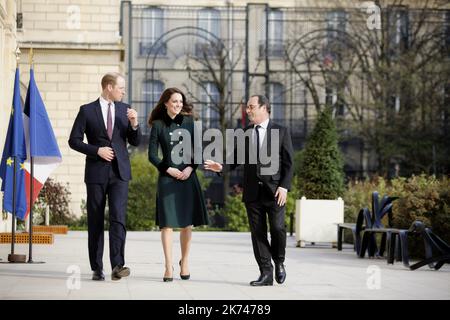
{"points": [[213, 166], [186, 173], [174, 172]]}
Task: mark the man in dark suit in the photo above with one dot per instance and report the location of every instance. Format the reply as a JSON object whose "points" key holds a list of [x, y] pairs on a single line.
{"points": [[265, 192], [108, 124]]}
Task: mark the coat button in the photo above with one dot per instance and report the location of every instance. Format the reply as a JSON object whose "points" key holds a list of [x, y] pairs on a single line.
{"points": [[170, 133]]}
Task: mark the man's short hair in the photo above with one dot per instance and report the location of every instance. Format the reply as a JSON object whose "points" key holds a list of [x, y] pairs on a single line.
{"points": [[263, 101], [110, 78]]}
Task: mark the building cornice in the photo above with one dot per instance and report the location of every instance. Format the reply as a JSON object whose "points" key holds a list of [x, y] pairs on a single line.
{"points": [[57, 45]]}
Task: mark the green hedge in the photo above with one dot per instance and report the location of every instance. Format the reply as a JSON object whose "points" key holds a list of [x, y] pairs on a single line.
{"points": [[56, 197], [236, 215], [423, 197], [142, 194]]}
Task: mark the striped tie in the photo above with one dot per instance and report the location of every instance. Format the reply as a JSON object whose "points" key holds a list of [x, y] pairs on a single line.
{"points": [[109, 127]]}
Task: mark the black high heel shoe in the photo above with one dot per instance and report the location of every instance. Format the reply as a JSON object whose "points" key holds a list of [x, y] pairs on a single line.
{"points": [[184, 277], [168, 279]]}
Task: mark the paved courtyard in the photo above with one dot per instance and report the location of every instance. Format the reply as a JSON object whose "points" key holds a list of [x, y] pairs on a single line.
{"points": [[222, 265]]}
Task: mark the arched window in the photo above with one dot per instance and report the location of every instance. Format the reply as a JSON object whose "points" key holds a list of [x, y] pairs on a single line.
{"points": [[275, 35], [151, 91], [335, 100], [336, 25], [447, 32], [398, 30], [276, 98], [276, 32], [209, 20], [152, 27], [209, 98]]}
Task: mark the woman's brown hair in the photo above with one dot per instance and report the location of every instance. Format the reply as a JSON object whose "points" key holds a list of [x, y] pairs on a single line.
{"points": [[160, 109]]}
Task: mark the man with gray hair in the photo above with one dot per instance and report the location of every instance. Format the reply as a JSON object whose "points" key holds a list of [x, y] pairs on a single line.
{"points": [[265, 192], [108, 124]]}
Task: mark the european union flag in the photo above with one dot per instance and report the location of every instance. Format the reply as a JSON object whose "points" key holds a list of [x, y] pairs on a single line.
{"points": [[15, 148]]}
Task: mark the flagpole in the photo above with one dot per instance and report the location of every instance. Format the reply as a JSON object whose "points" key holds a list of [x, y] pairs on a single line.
{"points": [[13, 223], [30, 232], [30, 224], [16, 258], [12, 257]]}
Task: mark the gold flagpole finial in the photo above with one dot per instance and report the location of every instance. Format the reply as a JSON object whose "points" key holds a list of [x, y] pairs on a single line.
{"points": [[17, 56]]}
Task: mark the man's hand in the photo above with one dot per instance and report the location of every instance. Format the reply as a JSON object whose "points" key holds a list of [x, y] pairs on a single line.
{"points": [[186, 173], [132, 117], [106, 153], [213, 166], [174, 172], [281, 196]]}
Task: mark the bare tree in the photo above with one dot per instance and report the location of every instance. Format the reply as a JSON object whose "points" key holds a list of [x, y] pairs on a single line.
{"points": [[213, 63], [391, 80]]}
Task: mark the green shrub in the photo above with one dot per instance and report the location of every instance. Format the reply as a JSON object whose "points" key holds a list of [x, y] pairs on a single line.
{"points": [[142, 194], [81, 223], [440, 214], [419, 195], [292, 196], [423, 197], [358, 195], [321, 171], [204, 181], [56, 197], [235, 213]]}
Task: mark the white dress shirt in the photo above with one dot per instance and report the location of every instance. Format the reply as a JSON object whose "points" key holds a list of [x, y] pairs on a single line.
{"points": [[104, 104], [261, 130]]}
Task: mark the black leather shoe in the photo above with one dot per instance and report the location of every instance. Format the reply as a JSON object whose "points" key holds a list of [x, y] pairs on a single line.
{"points": [[263, 280], [98, 275], [120, 272], [280, 273]]}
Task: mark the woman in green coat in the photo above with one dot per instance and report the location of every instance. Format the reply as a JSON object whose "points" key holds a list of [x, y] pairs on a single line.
{"points": [[180, 202]]}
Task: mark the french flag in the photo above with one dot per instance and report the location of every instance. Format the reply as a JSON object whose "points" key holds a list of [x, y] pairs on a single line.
{"points": [[40, 140]]}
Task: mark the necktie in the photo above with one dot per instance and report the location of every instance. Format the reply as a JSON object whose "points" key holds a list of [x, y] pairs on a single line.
{"points": [[109, 127], [257, 142]]}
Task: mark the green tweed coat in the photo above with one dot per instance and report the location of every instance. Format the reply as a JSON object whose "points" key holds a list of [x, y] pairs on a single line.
{"points": [[179, 203]]}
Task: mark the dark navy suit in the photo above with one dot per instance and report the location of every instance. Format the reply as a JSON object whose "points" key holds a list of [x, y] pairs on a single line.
{"points": [[105, 179], [259, 198]]}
